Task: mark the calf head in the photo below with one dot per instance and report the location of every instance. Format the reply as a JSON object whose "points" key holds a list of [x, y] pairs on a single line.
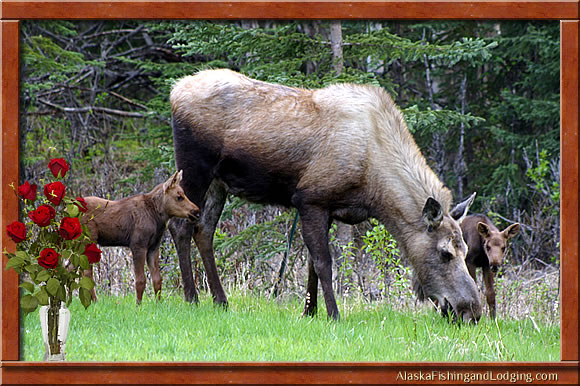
{"points": [[438, 258], [495, 242], [175, 202]]}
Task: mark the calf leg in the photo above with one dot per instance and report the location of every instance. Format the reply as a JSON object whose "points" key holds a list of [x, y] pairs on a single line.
{"points": [[489, 290], [315, 233], [139, 256], [215, 199], [153, 264], [181, 231]]}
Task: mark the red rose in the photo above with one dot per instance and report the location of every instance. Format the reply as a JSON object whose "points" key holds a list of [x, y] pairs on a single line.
{"points": [[48, 258], [27, 191], [70, 228], [42, 215], [58, 167], [54, 192], [93, 253], [16, 231], [82, 204]]}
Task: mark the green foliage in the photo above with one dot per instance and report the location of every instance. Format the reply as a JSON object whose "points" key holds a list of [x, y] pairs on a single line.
{"points": [[382, 247], [540, 175]]}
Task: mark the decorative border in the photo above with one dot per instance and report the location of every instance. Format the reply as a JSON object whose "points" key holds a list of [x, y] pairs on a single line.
{"points": [[13, 371]]}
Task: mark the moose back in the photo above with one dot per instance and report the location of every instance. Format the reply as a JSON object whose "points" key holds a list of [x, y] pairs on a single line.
{"points": [[338, 153]]}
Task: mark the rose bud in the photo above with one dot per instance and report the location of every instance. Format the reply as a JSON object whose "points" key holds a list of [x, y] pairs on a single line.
{"points": [[16, 231], [42, 215], [70, 228], [58, 167], [93, 253], [54, 192], [48, 258], [27, 191]]}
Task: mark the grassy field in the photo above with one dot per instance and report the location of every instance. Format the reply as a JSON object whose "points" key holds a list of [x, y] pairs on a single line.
{"points": [[258, 329]]}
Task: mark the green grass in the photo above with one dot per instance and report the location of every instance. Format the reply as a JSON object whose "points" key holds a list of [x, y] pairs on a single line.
{"points": [[258, 329]]}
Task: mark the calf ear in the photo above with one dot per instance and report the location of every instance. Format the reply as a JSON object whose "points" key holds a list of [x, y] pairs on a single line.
{"points": [[432, 214], [179, 177], [483, 229], [460, 211], [171, 182], [511, 231]]}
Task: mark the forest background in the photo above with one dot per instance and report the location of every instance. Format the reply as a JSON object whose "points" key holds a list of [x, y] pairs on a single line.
{"points": [[481, 99]]}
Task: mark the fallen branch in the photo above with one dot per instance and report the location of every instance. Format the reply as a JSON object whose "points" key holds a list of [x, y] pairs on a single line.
{"points": [[89, 109]]}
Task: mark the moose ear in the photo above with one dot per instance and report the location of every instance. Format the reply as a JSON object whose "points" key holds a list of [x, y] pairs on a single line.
{"points": [[179, 177], [483, 229], [172, 181], [460, 211], [511, 231], [432, 214]]}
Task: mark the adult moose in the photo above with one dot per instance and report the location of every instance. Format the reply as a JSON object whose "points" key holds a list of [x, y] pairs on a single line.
{"points": [[338, 153]]}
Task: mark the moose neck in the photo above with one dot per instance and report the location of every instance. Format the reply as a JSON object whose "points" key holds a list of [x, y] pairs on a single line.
{"points": [[154, 201], [401, 181]]}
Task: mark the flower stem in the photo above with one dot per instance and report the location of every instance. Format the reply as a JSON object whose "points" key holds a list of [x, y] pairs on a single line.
{"points": [[53, 315]]}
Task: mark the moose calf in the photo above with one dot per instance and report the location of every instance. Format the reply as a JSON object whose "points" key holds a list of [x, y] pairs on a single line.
{"points": [[138, 222], [486, 249]]}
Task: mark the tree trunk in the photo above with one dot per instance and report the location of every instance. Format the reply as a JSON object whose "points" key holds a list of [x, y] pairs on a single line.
{"points": [[460, 166], [336, 45]]}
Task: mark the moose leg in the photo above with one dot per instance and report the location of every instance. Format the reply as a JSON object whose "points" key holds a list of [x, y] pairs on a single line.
{"points": [[311, 305], [215, 199], [181, 231], [89, 273], [139, 256], [471, 268], [489, 290], [153, 264], [315, 233]]}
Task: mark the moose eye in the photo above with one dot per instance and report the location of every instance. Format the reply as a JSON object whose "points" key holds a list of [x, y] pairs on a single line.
{"points": [[179, 198], [446, 256]]}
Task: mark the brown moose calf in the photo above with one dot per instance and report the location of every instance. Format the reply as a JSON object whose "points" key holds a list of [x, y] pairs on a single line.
{"points": [[138, 222], [486, 249]]}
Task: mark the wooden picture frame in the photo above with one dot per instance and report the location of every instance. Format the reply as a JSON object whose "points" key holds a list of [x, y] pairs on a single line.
{"points": [[13, 371]]}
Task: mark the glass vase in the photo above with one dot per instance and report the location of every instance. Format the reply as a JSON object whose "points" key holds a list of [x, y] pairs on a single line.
{"points": [[54, 322]]}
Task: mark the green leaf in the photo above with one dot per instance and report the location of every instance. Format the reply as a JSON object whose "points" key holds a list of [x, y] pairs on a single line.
{"points": [[28, 286], [28, 303], [52, 286], [85, 297], [72, 210], [15, 262], [22, 254], [42, 296], [65, 254], [61, 293], [87, 283], [75, 260], [43, 275], [84, 262]]}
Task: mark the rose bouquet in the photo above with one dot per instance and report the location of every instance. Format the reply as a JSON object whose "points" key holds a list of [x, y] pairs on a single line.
{"points": [[53, 247]]}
